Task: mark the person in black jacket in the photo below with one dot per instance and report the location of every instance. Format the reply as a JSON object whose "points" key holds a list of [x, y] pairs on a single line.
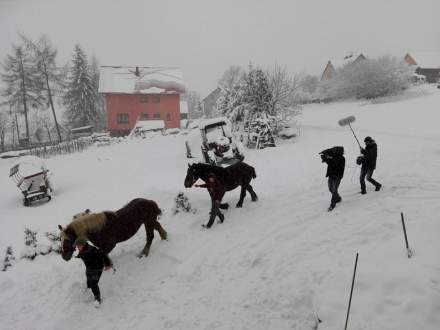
{"points": [[369, 164], [95, 261], [334, 158]]}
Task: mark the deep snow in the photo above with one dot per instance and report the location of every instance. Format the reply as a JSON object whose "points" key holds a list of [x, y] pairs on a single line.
{"points": [[273, 264]]}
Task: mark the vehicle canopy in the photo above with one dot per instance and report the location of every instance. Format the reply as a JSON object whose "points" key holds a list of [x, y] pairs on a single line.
{"points": [[213, 142]]}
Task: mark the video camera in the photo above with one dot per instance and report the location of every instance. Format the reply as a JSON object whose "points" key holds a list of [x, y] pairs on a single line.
{"points": [[331, 152]]}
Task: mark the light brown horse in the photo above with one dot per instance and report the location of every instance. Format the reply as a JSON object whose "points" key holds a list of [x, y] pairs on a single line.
{"points": [[106, 229]]}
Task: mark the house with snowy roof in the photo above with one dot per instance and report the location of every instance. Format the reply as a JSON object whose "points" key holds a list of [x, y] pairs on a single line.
{"points": [[335, 64], [210, 103], [140, 93], [426, 63]]}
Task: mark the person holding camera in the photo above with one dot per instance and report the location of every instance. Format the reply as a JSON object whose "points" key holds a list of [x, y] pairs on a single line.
{"points": [[335, 160], [368, 161]]}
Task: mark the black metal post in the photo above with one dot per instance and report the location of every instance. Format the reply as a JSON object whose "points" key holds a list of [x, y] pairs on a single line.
{"points": [[351, 292], [406, 238]]}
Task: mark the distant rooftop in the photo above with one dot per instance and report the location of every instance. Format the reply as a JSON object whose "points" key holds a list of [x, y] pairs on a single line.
{"points": [[146, 79], [427, 60], [340, 62]]}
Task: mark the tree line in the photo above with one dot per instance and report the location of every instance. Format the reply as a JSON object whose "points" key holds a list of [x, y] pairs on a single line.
{"points": [[35, 85]]}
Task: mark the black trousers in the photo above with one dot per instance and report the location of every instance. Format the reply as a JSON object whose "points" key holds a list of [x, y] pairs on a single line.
{"points": [[93, 277], [333, 185], [367, 173]]}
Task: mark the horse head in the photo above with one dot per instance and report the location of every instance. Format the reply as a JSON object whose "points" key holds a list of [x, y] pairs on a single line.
{"points": [[67, 240], [192, 175]]}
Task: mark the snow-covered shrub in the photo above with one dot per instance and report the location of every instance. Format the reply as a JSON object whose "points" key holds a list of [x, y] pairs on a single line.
{"points": [[30, 241], [9, 256], [182, 204], [368, 79], [55, 241]]}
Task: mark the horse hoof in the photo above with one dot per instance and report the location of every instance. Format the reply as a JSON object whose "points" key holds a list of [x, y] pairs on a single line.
{"points": [[254, 199], [239, 205]]}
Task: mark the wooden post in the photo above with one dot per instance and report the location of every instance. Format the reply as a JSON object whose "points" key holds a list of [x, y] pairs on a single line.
{"points": [[351, 292]]}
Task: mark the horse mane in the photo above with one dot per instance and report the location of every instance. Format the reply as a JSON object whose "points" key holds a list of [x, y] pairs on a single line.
{"points": [[87, 224]]}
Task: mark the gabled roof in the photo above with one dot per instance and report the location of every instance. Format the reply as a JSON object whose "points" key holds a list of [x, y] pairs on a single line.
{"points": [[426, 60], [147, 80], [215, 93], [335, 64], [351, 58]]}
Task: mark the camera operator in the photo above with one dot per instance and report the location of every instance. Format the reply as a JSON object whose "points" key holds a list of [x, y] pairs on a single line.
{"points": [[334, 158]]}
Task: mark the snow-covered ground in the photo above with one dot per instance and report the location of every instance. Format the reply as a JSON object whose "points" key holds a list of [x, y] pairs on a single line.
{"points": [[274, 264]]}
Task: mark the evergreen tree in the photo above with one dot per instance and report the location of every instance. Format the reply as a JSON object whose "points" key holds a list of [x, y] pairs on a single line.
{"points": [[51, 77], [80, 98], [257, 93], [94, 72], [22, 83]]}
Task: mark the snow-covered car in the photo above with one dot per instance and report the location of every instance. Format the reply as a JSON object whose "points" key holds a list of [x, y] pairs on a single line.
{"points": [[212, 142], [143, 128]]}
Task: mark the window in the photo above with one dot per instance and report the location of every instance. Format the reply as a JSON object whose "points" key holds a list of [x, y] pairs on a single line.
{"points": [[156, 116], [156, 99], [183, 116], [144, 98], [122, 118], [168, 116], [144, 116]]}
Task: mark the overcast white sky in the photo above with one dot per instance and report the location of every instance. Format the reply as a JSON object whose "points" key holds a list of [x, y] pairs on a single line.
{"points": [[204, 37]]}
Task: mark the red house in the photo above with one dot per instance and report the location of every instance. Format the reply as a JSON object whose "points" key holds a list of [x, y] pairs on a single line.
{"points": [[140, 93]]}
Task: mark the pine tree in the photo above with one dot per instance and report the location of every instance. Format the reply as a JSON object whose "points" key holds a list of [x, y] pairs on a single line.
{"points": [[94, 72], [257, 93], [80, 98], [22, 83], [51, 77]]}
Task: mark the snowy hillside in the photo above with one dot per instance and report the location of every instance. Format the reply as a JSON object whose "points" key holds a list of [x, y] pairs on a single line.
{"points": [[274, 264]]}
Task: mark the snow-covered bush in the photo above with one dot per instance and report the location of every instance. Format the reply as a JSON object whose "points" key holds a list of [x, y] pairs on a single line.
{"points": [[368, 79], [9, 256], [182, 204], [55, 241], [30, 241], [33, 248]]}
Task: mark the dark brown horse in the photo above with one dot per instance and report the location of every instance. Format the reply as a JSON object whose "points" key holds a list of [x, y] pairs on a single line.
{"points": [[108, 228], [220, 180]]}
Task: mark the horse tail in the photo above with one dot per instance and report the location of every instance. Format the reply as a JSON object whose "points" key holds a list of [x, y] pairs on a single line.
{"points": [[254, 174]]}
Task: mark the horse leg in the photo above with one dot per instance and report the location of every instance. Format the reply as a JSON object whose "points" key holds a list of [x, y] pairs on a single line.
{"points": [[242, 195], [252, 192], [162, 232], [150, 236], [224, 206]]}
